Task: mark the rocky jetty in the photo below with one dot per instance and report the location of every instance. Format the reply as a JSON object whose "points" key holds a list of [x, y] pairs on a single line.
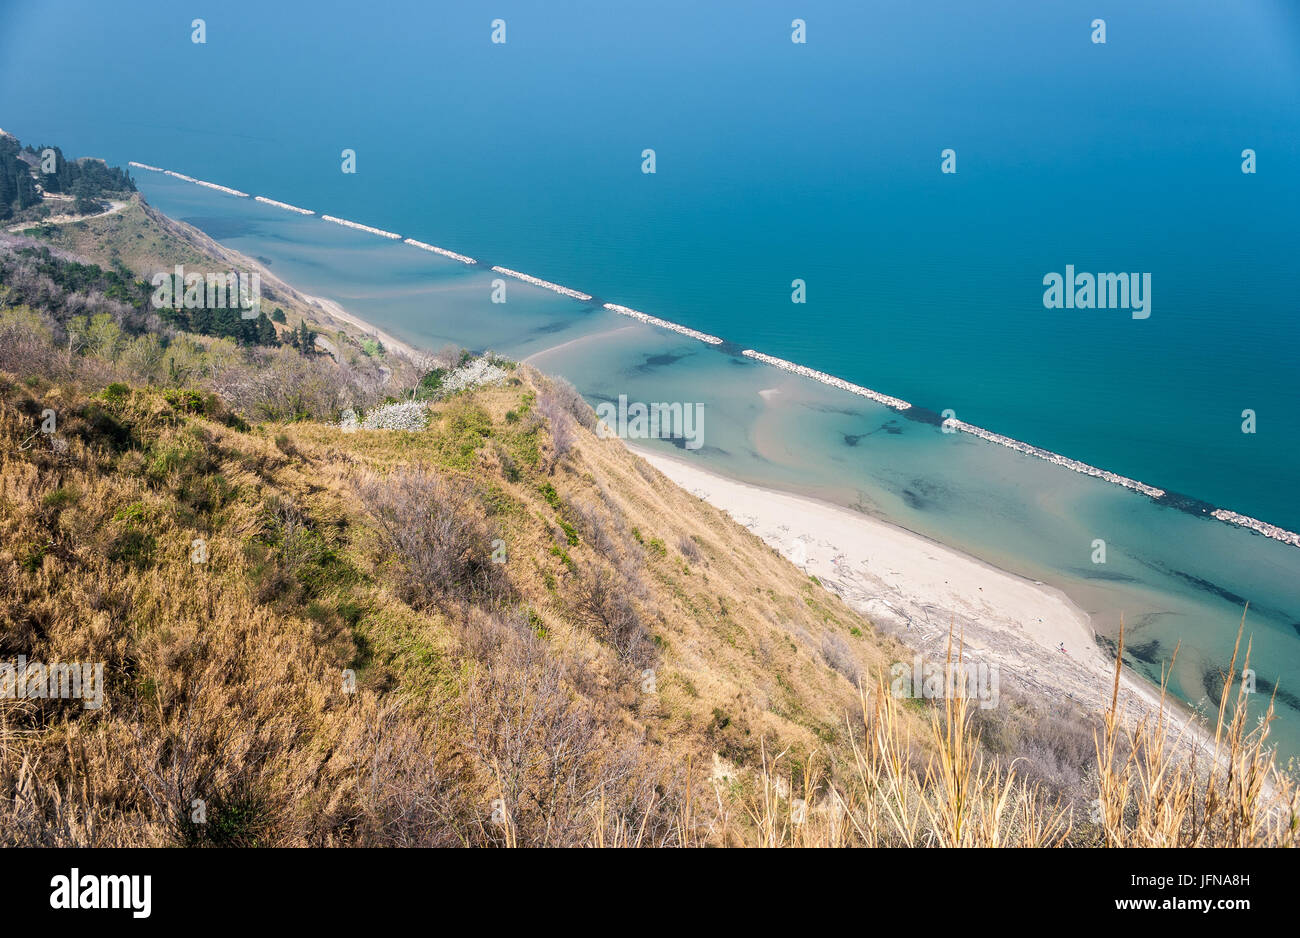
{"points": [[663, 323], [544, 284]]}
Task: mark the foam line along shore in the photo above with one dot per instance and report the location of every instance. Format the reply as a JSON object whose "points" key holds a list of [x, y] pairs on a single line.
{"points": [[1220, 514]]}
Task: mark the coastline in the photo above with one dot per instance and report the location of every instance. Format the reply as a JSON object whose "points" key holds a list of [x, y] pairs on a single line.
{"points": [[335, 310], [1025, 649], [1192, 506], [905, 582], [913, 587]]}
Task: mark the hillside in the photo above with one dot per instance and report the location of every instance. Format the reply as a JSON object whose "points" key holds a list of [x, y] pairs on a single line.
{"points": [[142, 241], [382, 597], [225, 678], [638, 668]]}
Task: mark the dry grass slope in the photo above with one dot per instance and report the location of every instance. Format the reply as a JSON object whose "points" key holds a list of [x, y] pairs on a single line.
{"points": [[524, 684], [498, 630]]}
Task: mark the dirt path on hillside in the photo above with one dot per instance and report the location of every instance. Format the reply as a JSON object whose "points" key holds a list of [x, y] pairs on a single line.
{"points": [[113, 209]]}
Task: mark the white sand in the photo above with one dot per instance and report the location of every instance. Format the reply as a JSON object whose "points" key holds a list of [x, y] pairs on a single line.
{"points": [[338, 312], [914, 588]]}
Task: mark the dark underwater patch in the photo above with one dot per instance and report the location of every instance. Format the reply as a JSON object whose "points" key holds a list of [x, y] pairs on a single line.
{"points": [[680, 443], [1268, 688], [1096, 573], [657, 361], [220, 227], [547, 328], [1212, 680], [1193, 506], [1209, 587], [828, 409], [1145, 651], [890, 427], [923, 415]]}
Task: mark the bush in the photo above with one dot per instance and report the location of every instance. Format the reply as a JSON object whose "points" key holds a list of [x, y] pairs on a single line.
{"points": [[430, 384], [606, 531], [689, 549], [27, 345], [116, 393], [436, 530], [411, 415], [566, 396], [604, 601], [280, 384], [547, 751], [470, 373], [560, 424], [840, 658]]}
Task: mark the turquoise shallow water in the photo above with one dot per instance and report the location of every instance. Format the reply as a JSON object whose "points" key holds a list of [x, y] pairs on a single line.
{"points": [[818, 162]]}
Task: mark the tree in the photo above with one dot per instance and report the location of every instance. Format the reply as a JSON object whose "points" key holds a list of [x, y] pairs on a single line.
{"points": [[17, 190], [64, 175], [306, 339], [6, 195], [202, 321], [84, 202], [266, 331]]}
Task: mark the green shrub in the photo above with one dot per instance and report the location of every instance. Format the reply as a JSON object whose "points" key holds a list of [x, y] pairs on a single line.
{"points": [[60, 497], [570, 533], [552, 497]]}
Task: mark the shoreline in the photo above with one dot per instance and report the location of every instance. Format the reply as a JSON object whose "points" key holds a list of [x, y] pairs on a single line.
{"points": [[1015, 622], [1192, 506], [335, 309], [913, 587], [300, 301]]}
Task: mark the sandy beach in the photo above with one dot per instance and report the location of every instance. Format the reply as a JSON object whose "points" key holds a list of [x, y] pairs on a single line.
{"points": [[336, 311], [915, 588]]}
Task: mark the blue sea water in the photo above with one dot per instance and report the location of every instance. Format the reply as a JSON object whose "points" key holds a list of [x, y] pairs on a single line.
{"points": [[778, 161]]}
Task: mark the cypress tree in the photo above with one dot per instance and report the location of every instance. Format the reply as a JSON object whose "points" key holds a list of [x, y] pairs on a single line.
{"points": [[265, 331]]}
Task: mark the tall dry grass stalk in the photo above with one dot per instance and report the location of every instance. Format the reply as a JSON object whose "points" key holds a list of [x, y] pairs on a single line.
{"points": [[886, 797], [1158, 787]]}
